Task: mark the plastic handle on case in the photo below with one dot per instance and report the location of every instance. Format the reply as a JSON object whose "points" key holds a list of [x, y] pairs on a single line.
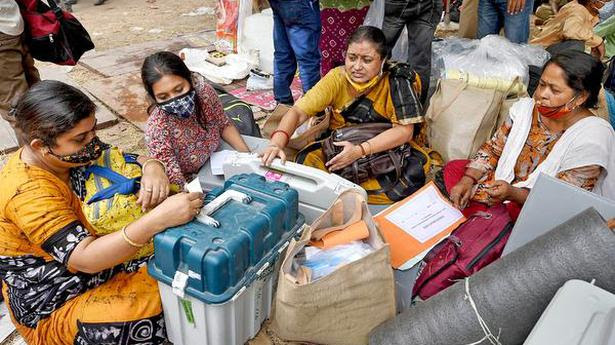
{"points": [[316, 176], [204, 216]]}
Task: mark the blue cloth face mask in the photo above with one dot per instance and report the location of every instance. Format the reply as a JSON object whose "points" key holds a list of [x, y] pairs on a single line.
{"points": [[181, 106]]}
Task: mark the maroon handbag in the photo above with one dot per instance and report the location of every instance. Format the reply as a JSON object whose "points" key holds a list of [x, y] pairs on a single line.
{"points": [[475, 244], [52, 34]]}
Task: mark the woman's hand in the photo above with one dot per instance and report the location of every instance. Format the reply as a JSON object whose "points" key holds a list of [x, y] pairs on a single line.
{"points": [[154, 186], [177, 209], [499, 191], [349, 154], [94, 254], [272, 152], [460, 194]]}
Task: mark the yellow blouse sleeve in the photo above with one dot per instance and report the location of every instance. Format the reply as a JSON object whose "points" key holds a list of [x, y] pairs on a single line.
{"points": [[47, 218], [319, 97]]}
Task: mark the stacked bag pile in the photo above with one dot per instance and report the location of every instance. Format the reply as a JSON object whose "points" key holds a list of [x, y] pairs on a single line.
{"points": [[479, 80]]}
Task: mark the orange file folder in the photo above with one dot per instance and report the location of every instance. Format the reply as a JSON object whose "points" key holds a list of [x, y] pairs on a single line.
{"points": [[413, 229]]}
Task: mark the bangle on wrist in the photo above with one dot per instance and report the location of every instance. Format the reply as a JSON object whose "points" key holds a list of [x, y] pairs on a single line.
{"points": [[150, 160], [474, 180], [283, 132], [129, 241], [370, 151], [363, 153]]}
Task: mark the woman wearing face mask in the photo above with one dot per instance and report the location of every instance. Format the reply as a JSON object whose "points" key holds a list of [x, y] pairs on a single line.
{"points": [[554, 133], [365, 75], [186, 122], [63, 284]]}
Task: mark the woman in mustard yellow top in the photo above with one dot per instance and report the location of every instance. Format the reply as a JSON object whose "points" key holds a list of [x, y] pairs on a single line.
{"points": [[365, 90], [63, 285]]}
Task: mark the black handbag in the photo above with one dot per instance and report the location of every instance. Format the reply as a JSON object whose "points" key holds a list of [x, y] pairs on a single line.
{"points": [[365, 167], [400, 171], [52, 34]]}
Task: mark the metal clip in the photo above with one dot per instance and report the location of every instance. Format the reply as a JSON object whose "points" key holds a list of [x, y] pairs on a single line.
{"points": [[260, 272], [180, 281], [456, 241], [283, 247], [303, 227], [238, 294], [51, 38]]}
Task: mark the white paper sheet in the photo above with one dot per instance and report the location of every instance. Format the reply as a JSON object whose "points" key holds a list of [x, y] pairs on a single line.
{"points": [[427, 215], [194, 186], [217, 161]]}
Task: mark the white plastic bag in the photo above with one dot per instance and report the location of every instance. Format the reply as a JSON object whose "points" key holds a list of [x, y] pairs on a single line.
{"points": [[259, 82], [446, 47], [236, 67], [491, 58], [375, 14], [245, 11], [258, 36], [488, 60], [324, 261]]}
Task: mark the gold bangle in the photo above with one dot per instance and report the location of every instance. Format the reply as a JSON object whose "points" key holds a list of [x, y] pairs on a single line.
{"points": [[129, 241], [370, 147], [149, 160], [363, 153]]}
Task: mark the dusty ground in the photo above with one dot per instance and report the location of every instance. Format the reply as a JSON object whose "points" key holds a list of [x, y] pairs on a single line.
{"points": [[124, 22]]}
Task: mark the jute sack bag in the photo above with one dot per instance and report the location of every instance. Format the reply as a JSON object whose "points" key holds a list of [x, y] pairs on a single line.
{"points": [[462, 117], [344, 306]]}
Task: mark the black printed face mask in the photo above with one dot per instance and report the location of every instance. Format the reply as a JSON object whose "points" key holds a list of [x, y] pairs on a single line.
{"points": [[90, 152]]}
